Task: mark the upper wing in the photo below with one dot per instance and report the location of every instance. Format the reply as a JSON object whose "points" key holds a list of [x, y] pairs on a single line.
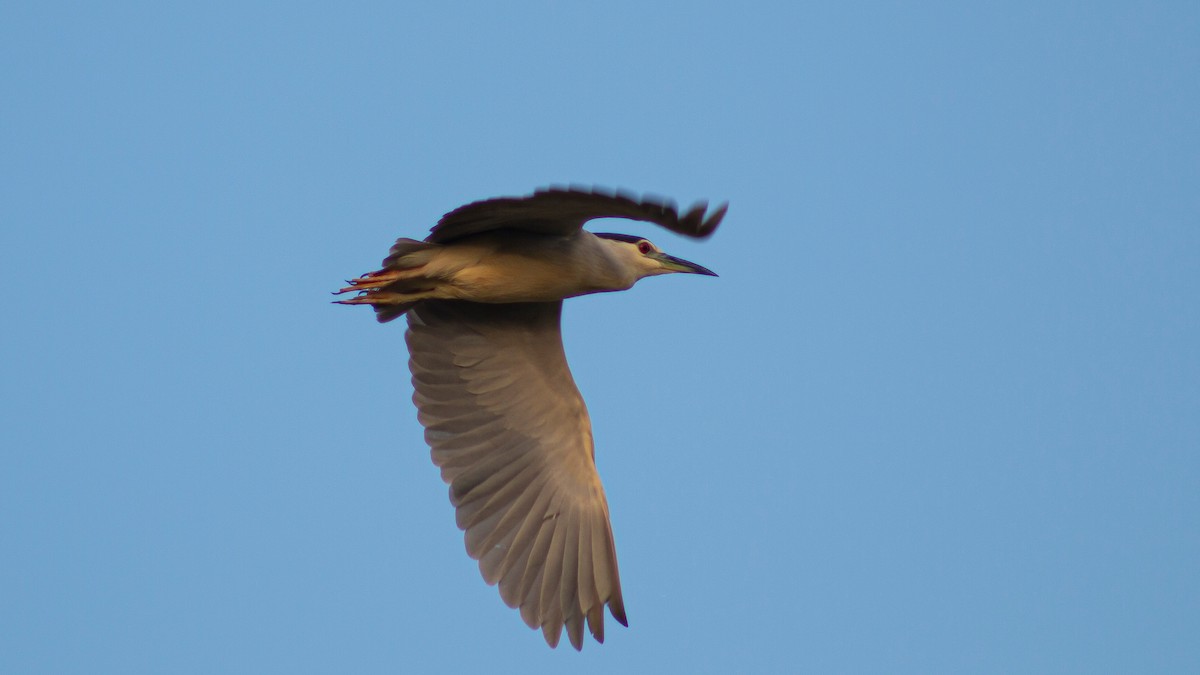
{"points": [[559, 210], [509, 430]]}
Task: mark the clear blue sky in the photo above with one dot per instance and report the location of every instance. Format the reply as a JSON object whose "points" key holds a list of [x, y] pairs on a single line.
{"points": [[940, 412]]}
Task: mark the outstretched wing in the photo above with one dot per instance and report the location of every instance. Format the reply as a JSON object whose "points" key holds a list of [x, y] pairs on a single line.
{"points": [[559, 210], [511, 434]]}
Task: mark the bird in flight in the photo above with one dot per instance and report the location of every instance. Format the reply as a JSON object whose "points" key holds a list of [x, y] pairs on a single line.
{"points": [[502, 415]]}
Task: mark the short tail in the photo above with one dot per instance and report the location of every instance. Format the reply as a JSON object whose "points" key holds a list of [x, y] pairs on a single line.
{"points": [[397, 287]]}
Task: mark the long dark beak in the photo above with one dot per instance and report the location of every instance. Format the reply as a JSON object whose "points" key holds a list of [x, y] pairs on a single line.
{"points": [[680, 265]]}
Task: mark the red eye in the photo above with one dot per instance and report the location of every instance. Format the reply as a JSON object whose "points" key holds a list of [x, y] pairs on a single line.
{"points": [[644, 247]]}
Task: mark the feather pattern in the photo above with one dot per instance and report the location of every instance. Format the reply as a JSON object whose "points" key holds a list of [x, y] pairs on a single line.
{"points": [[511, 434]]}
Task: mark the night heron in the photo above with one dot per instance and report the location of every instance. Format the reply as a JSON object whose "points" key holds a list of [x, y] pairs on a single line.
{"points": [[502, 416]]}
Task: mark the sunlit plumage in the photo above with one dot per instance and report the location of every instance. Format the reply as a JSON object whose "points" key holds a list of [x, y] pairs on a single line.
{"points": [[502, 415]]}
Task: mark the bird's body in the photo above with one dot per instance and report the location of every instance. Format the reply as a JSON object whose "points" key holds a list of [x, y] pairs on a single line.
{"points": [[514, 266], [502, 415]]}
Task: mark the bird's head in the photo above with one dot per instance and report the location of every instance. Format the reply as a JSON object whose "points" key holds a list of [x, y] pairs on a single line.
{"points": [[645, 259]]}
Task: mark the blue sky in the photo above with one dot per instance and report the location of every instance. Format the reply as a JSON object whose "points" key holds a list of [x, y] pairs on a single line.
{"points": [[939, 413]]}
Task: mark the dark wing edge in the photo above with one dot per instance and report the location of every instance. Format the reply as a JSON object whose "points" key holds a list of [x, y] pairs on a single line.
{"points": [[562, 210]]}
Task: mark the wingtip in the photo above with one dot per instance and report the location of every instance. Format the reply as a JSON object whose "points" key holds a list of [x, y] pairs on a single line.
{"points": [[552, 633], [618, 612], [718, 213], [709, 224]]}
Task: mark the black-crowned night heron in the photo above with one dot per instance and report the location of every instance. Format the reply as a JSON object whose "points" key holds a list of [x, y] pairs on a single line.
{"points": [[501, 412]]}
